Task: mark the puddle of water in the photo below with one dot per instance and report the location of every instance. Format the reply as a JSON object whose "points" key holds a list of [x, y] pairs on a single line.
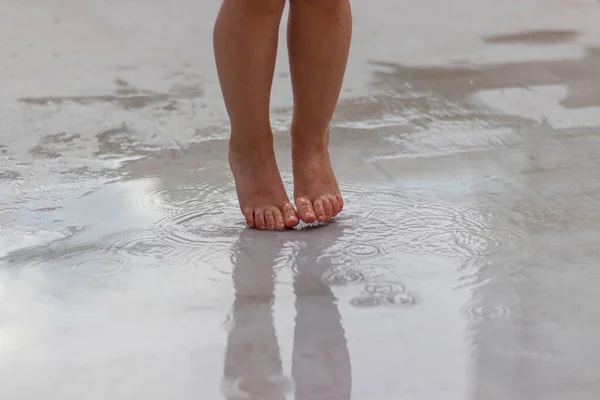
{"points": [[471, 220]]}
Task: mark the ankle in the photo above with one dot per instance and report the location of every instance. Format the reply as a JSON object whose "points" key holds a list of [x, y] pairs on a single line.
{"points": [[241, 143], [309, 140], [302, 148]]}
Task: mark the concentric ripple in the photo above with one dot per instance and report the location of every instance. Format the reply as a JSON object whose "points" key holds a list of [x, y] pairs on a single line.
{"points": [[399, 300], [423, 223], [212, 219], [362, 250], [473, 244], [383, 289], [98, 267], [476, 311], [214, 228], [83, 259], [138, 243], [203, 216], [342, 276], [384, 294], [176, 199]]}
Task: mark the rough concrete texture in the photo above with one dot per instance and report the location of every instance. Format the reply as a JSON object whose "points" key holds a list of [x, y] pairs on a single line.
{"points": [[465, 265]]}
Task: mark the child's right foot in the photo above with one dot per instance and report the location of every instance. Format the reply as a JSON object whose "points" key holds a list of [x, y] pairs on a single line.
{"points": [[316, 190], [260, 191]]}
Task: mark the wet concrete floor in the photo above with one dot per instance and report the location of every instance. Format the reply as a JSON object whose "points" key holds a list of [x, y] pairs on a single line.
{"points": [[465, 265]]}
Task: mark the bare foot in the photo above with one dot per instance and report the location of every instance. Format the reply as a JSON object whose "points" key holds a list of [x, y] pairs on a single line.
{"points": [[260, 191], [316, 191]]}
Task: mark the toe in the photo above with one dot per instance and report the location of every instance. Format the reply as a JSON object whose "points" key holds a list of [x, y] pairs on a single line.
{"points": [[290, 216], [279, 222], [319, 210], [327, 207], [305, 209], [259, 218], [340, 201], [270, 219], [249, 215], [335, 205]]}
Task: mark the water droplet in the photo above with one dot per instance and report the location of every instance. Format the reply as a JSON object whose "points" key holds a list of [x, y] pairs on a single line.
{"points": [[383, 289], [384, 294], [229, 322], [476, 311], [399, 299], [366, 301], [342, 276]]}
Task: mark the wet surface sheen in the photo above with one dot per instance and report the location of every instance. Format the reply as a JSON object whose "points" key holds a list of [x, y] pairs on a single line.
{"points": [[464, 265]]}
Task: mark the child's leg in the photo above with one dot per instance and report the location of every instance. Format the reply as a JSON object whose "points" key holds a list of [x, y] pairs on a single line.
{"points": [[245, 40], [319, 33]]}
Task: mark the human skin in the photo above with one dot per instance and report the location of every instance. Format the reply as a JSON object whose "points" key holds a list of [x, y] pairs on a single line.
{"points": [[246, 37]]}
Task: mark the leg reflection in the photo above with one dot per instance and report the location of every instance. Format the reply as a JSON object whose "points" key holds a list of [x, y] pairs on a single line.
{"points": [[252, 361], [321, 363], [320, 360]]}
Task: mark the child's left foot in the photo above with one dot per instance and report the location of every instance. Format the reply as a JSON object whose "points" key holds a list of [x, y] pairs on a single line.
{"points": [[316, 191]]}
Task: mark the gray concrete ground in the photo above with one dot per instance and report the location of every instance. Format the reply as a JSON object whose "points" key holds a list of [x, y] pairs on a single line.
{"points": [[465, 265]]}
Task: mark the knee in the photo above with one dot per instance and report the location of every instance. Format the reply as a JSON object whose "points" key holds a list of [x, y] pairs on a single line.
{"points": [[323, 5], [262, 6]]}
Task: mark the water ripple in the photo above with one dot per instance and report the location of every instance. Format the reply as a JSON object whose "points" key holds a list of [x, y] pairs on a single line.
{"points": [[201, 215], [138, 243], [96, 267], [174, 199], [362, 250], [366, 302], [383, 294], [399, 300], [475, 311], [201, 228], [472, 244], [342, 276], [380, 222]]}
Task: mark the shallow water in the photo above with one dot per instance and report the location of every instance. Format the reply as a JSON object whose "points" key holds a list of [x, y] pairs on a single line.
{"points": [[464, 266]]}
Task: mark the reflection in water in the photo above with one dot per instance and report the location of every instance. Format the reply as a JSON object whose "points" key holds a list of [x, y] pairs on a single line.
{"points": [[320, 359]]}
